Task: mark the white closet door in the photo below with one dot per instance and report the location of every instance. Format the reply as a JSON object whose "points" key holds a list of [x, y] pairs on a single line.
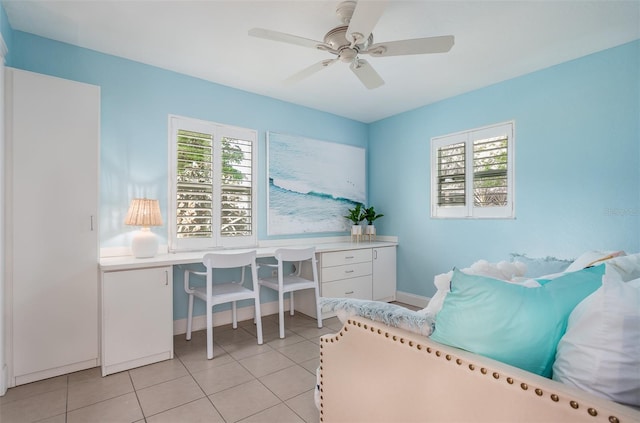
{"points": [[54, 136]]}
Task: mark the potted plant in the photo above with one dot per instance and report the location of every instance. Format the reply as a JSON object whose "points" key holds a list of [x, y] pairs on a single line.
{"points": [[356, 215], [370, 216]]}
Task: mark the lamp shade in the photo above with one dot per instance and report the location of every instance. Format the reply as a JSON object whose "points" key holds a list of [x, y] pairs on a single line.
{"points": [[144, 212]]}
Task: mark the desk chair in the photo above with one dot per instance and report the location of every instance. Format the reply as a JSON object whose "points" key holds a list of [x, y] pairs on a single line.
{"points": [[294, 281], [221, 293]]}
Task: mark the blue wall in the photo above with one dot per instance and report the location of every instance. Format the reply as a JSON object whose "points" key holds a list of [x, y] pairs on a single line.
{"points": [[577, 168], [136, 100], [577, 152]]}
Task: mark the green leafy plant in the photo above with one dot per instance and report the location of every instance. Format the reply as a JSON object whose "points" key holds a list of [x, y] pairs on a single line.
{"points": [[356, 214], [370, 215]]}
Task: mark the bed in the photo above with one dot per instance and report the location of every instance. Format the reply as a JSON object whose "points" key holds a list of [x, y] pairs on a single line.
{"points": [[380, 367]]}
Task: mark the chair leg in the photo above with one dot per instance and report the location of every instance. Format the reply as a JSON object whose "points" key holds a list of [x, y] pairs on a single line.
{"points": [[281, 313], [291, 305], [209, 331], [318, 308], [258, 320], [234, 315], [189, 317]]}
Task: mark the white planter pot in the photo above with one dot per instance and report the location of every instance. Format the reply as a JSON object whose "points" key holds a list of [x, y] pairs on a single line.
{"points": [[370, 231]]}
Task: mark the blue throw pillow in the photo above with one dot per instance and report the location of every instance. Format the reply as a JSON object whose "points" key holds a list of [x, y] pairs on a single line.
{"points": [[511, 323]]}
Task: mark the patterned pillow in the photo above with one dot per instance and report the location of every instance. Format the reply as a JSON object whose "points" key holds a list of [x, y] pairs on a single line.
{"points": [[387, 313]]}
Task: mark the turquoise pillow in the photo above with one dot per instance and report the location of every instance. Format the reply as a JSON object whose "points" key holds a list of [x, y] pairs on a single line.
{"points": [[511, 323]]}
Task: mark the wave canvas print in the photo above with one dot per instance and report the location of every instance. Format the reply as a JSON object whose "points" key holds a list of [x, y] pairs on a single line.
{"points": [[312, 184]]}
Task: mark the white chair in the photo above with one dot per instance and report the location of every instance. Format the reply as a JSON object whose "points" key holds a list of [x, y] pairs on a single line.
{"points": [[221, 293], [294, 281]]}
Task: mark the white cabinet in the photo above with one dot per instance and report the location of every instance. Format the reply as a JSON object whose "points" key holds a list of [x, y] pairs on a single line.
{"points": [[365, 273], [52, 147], [137, 318], [346, 274], [384, 274]]}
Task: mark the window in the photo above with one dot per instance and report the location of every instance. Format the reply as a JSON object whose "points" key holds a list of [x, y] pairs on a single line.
{"points": [[472, 173], [212, 199]]}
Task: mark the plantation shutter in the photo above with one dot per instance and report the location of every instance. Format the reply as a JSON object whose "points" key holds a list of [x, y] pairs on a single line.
{"points": [[212, 200], [451, 175], [194, 192], [236, 205], [490, 172], [472, 173]]}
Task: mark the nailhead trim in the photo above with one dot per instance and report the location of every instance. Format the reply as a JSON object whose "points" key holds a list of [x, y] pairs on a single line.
{"points": [[554, 397]]}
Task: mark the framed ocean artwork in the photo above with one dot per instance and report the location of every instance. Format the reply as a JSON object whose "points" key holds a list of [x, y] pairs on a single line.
{"points": [[312, 184]]}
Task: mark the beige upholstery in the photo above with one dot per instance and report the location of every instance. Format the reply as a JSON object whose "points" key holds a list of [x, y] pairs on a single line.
{"points": [[370, 372]]}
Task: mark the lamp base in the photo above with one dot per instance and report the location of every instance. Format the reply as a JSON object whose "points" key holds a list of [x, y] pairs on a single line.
{"points": [[144, 244]]}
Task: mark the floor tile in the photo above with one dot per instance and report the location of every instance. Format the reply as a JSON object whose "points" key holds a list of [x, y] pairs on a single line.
{"points": [[88, 374], [92, 390], [222, 377], [313, 333], [289, 382], [231, 336], [246, 349], [36, 407], [124, 408], [290, 338], [243, 400], [153, 374], [34, 388], [243, 382], [311, 365], [199, 411], [196, 361], [277, 414], [167, 395], [264, 364], [60, 418], [304, 405], [300, 352]]}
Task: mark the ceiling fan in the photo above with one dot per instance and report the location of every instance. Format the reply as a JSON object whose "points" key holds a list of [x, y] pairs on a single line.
{"points": [[353, 38]]}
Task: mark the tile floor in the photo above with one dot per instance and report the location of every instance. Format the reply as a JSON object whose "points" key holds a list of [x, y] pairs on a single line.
{"points": [[244, 382]]}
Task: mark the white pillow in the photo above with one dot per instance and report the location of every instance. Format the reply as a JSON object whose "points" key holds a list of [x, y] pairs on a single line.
{"points": [[627, 267], [506, 271], [600, 352], [592, 257]]}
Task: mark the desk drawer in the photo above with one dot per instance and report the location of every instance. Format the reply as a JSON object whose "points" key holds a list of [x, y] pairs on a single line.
{"points": [[346, 272], [360, 288], [339, 258]]}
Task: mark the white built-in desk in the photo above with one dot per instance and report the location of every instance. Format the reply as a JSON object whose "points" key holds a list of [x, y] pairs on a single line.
{"points": [[137, 294]]}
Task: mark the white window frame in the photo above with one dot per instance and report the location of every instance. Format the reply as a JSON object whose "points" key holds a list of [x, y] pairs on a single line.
{"points": [[469, 210], [219, 131]]}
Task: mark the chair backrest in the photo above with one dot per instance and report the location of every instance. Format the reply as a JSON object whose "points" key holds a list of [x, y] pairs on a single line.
{"points": [[295, 254], [229, 260]]}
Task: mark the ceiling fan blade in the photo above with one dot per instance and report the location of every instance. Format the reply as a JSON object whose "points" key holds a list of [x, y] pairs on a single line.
{"points": [[416, 46], [285, 38], [365, 17], [306, 72], [367, 75]]}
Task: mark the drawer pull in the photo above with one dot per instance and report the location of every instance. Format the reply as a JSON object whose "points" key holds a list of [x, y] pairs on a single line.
{"points": [[349, 271], [349, 257], [348, 293]]}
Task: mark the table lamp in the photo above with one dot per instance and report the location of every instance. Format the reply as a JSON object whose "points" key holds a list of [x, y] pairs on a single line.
{"points": [[144, 213]]}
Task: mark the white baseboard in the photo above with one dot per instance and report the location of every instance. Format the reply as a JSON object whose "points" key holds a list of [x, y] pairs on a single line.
{"points": [[224, 317], [412, 299]]}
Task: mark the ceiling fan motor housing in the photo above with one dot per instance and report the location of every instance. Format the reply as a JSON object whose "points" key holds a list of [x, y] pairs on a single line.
{"points": [[336, 39]]}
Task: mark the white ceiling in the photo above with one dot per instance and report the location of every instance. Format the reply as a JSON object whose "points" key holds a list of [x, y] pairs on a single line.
{"points": [[494, 41]]}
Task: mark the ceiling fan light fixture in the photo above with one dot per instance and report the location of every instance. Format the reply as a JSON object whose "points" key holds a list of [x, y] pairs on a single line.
{"points": [[347, 55]]}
